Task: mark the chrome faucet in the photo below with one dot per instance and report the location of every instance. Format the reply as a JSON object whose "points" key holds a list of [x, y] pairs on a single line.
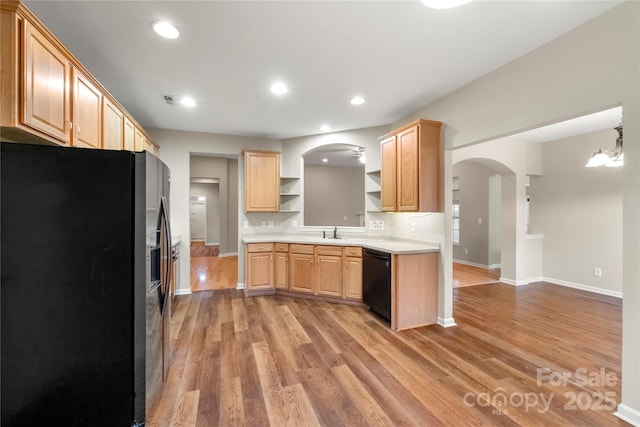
{"points": [[324, 234], [335, 232]]}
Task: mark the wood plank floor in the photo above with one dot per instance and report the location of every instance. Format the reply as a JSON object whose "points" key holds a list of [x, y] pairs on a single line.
{"points": [[209, 271], [280, 361], [466, 275]]}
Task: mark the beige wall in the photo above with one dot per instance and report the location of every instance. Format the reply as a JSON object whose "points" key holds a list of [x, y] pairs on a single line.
{"points": [[333, 195], [474, 204], [579, 212], [591, 68]]}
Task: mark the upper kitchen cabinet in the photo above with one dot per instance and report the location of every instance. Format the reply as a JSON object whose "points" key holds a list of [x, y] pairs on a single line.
{"points": [[113, 126], [261, 181], [48, 96], [129, 135], [46, 86], [411, 172], [87, 112]]}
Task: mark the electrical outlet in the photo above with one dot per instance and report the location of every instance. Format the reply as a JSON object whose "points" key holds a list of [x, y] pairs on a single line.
{"points": [[270, 224], [264, 223], [466, 251], [376, 225], [597, 272], [294, 223], [245, 224], [479, 220], [412, 225]]}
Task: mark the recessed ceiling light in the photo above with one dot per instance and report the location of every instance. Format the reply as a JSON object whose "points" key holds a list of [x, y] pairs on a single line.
{"points": [[166, 30], [188, 102], [357, 100], [279, 88], [444, 4], [325, 160], [325, 128]]}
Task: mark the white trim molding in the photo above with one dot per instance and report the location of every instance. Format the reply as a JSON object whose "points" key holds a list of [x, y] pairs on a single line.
{"points": [[514, 282], [472, 264], [628, 414], [446, 323], [580, 286], [228, 254], [240, 285], [183, 292]]}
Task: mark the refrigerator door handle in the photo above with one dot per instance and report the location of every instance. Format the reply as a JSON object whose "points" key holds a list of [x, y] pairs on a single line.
{"points": [[164, 221]]}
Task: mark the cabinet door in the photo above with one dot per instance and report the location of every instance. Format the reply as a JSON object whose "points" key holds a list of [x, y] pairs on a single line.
{"points": [[353, 278], [129, 135], [46, 86], [87, 112], [281, 270], [388, 175], [261, 181], [329, 275], [407, 173], [112, 126], [301, 271], [259, 270], [138, 140]]}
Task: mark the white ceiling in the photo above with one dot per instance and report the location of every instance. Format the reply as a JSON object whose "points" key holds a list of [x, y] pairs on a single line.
{"points": [[398, 55]]}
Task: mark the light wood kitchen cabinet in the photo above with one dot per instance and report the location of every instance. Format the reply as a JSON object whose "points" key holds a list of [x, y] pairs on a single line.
{"points": [[261, 181], [87, 112], [46, 94], [129, 135], [301, 268], [259, 268], [112, 126], [411, 172], [47, 86], [138, 140], [281, 266], [388, 175], [352, 273], [415, 290], [329, 270]]}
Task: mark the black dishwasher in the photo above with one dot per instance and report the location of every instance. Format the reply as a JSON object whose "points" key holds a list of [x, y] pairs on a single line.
{"points": [[376, 282]]}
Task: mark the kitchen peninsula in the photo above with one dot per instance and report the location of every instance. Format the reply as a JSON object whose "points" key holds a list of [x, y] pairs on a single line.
{"points": [[331, 269]]}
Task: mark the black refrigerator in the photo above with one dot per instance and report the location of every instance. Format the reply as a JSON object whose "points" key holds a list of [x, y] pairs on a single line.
{"points": [[85, 248]]}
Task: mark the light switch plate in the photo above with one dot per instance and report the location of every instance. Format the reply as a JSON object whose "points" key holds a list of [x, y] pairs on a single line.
{"points": [[294, 223], [270, 224], [245, 224]]}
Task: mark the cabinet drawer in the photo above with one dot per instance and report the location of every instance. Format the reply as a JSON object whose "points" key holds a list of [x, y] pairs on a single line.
{"points": [[282, 247], [301, 249], [329, 250], [259, 247], [354, 251]]}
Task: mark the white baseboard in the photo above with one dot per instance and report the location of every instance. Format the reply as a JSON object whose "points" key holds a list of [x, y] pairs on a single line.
{"points": [[240, 286], [514, 282], [630, 415], [446, 323], [212, 244], [472, 264], [183, 291], [494, 266], [227, 254], [535, 279], [580, 286]]}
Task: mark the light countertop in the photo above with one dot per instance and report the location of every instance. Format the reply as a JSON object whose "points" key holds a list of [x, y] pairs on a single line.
{"points": [[381, 244]]}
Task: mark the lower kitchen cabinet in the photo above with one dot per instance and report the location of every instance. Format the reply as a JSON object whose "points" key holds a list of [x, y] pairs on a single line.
{"points": [[352, 277], [329, 275], [301, 271], [259, 268], [329, 271], [281, 266]]}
